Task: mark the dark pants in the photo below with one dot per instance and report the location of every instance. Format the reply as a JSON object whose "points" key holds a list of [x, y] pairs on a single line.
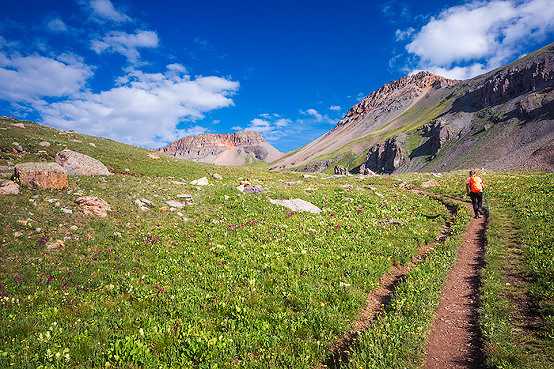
{"points": [[477, 201]]}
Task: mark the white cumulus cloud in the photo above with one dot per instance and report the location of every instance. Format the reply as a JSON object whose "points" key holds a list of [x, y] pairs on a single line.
{"points": [[104, 9], [478, 36], [125, 43], [29, 78], [144, 109], [271, 126]]}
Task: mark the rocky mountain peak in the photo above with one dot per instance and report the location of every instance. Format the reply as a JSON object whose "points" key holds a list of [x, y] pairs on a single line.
{"points": [[405, 88], [226, 149]]}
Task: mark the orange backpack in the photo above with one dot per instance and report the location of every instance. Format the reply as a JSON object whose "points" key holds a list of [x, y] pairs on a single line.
{"points": [[475, 183]]}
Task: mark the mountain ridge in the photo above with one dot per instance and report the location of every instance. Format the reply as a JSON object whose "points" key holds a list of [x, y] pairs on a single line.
{"points": [[426, 122], [225, 149]]}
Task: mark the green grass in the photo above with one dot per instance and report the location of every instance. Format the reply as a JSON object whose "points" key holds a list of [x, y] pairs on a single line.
{"points": [[398, 335], [517, 290], [233, 281], [240, 283]]}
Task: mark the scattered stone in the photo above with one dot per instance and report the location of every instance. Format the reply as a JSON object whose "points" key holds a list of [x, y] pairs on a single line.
{"points": [[67, 211], [20, 125], [154, 156], [297, 205], [17, 234], [308, 176], [74, 228], [291, 184], [127, 170], [389, 222], [8, 187], [438, 175], [51, 200], [254, 189], [18, 147], [200, 182], [341, 171], [80, 164], [164, 208], [368, 172], [175, 204], [217, 176], [44, 143], [430, 183], [240, 188], [92, 144], [187, 198], [77, 141], [55, 245], [94, 205], [147, 202], [42, 175], [380, 194]]}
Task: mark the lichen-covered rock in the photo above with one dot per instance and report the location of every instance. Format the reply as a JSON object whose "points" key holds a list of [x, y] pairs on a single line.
{"points": [[42, 175], [80, 164], [8, 187], [94, 205]]}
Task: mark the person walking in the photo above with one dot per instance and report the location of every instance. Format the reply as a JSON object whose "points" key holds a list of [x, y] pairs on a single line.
{"points": [[474, 189]]}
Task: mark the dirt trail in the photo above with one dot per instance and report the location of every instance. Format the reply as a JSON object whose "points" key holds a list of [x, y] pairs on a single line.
{"points": [[377, 299], [454, 341]]}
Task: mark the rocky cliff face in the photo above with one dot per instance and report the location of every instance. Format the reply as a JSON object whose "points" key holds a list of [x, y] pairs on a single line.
{"points": [[510, 82], [226, 149], [387, 156]]}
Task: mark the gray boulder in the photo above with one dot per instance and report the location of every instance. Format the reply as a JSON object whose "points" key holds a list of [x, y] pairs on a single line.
{"points": [[76, 163]]}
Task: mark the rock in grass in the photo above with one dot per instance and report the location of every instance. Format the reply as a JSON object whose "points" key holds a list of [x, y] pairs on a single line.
{"points": [[42, 175], [297, 205], [175, 204], [80, 164], [8, 187], [430, 183], [94, 205], [254, 189], [200, 182]]}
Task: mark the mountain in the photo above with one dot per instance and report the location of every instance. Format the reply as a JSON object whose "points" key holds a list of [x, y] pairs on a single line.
{"points": [[224, 149], [501, 120]]}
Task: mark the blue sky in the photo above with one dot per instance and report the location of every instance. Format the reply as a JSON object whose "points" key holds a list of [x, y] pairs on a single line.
{"points": [[150, 72]]}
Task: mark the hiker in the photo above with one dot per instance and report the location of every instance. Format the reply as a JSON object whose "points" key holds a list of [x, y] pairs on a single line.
{"points": [[474, 189]]}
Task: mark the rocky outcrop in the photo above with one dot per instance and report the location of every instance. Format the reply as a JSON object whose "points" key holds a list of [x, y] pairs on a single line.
{"points": [[42, 175], [341, 171], [510, 82], [227, 149], [386, 156], [438, 134], [76, 163]]}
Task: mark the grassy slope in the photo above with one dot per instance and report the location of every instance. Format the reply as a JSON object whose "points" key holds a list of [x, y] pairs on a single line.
{"points": [[231, 280]]}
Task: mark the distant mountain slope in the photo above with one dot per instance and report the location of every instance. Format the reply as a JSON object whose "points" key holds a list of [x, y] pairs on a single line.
{"points": [[501, 120], [224, 149]]}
